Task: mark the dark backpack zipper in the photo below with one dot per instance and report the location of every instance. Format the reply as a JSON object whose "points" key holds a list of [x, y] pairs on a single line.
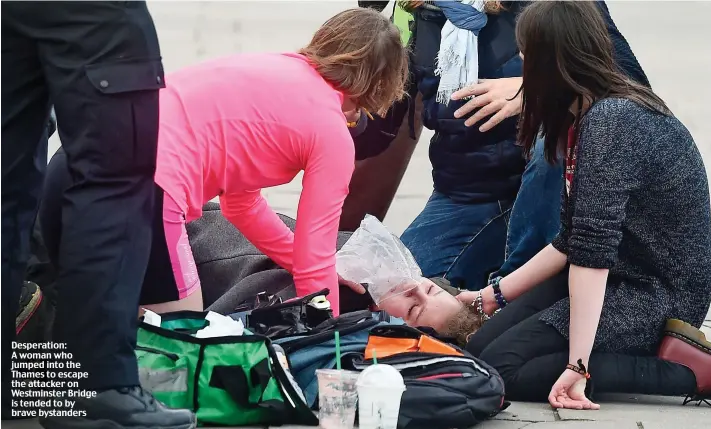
{"points": [[398, 331], [445, 376]]}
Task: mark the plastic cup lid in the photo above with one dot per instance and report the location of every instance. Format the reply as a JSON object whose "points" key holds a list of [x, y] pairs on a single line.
{"points": [[381, 375]]}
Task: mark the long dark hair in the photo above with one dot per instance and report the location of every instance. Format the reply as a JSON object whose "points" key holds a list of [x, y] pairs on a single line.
{"points": [[567, 57]]}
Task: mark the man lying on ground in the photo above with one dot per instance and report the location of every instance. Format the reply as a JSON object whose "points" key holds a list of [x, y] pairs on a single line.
{"points": [[233, 271]]}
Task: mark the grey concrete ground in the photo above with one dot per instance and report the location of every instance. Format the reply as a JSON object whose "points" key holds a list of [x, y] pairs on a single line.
{"points": [[670, 39]]}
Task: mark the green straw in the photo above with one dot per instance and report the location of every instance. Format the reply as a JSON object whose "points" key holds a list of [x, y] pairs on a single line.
{"points": [[338, 350], [375, 357]]}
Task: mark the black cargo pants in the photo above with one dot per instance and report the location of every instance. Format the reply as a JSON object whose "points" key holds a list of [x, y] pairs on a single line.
{"points": [[99, 64]]}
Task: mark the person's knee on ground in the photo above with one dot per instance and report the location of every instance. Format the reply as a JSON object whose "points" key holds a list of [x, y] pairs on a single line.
{"points": [[686, 345]]}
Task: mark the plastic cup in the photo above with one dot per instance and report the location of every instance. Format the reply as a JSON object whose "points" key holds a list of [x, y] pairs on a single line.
{"points": [[380, 389], [337, 398]]}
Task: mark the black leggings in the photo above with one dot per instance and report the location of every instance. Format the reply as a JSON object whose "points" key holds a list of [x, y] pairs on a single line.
{"points": [[530, 355]]}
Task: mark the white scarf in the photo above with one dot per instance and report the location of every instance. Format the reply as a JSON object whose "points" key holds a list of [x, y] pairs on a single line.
{"points": [[458, 58]]}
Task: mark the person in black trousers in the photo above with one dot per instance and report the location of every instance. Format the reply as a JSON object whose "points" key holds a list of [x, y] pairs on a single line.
{"points": [[99, 65], [631, 266]]}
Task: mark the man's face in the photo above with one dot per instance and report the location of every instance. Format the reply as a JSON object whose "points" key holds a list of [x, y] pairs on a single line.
{"points": [[424, 304]]}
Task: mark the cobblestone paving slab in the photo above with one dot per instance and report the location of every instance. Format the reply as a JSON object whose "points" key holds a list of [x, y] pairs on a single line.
{"points": [[681, 424], [637, 408], [579, 425], [504, 424], [528, 412]]}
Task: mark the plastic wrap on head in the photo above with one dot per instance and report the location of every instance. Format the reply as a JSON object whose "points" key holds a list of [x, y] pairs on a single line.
{"points": [[375, 256]]}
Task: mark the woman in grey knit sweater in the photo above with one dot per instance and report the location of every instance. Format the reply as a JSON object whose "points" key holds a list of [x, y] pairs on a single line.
{"points": [[634, 249]]}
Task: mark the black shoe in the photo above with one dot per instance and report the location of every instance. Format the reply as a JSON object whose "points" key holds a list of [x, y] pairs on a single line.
{"points": [[33, 323], [30, 301], [131, 408]]}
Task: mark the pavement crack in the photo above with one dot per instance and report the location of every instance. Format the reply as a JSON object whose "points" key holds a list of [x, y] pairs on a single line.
{"points": [[515, 419], [556, 415]]}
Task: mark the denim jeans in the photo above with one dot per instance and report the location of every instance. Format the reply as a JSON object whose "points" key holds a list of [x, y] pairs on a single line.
{"points": [[465, 243], [535, 216], [462, 242]]}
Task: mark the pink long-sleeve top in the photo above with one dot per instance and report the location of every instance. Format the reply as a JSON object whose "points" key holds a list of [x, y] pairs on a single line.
{"points": [[232, 126]]}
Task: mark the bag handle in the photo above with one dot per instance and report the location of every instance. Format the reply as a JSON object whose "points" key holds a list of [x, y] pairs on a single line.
{"points": [[233, 379]]}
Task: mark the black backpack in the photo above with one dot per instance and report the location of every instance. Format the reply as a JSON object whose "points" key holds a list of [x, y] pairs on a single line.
{"points": [[307, 334], [442, 391], [315, 350]]}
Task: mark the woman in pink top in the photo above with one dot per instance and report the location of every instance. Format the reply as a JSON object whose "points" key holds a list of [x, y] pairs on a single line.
{"points": [[232, 126]]}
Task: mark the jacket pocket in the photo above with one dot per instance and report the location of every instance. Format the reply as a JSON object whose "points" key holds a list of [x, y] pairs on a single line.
{"points": [[123, 111], [123, 77]]}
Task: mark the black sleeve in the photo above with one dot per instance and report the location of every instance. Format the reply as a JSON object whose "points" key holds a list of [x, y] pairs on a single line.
{"points": [[622, 52], [380, 132]]}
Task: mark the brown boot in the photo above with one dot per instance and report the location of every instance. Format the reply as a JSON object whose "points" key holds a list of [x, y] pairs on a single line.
{"points": [[686, 345]]}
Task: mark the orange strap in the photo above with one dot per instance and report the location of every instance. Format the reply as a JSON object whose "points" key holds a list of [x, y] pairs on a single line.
{"points": [[389, 346], [386, 346]]}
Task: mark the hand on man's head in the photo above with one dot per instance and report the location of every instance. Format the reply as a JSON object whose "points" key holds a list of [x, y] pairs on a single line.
{"points": [[488, 299], [355, 287]]}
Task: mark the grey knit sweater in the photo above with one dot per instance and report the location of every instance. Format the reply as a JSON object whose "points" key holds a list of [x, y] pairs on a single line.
{"points": [[638, 205]]}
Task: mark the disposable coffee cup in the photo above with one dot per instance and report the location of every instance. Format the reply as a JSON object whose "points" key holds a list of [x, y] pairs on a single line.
{"points": [[337, 398], [380, 389]]}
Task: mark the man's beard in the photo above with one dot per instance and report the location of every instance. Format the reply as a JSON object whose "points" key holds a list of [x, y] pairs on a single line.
{"points": [[462, 324]]}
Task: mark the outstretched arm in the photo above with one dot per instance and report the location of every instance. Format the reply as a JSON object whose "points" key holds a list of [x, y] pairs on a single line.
{"points": [[607, 173], [250, 213], [327, 174]]}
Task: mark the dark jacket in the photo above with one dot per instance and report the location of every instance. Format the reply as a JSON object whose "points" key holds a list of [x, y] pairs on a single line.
{"points": [[638, 206], [470, 166]]}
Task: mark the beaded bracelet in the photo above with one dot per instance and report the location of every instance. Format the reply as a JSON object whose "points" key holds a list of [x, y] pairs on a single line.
{"points": [[500, 300], [478, 304]]}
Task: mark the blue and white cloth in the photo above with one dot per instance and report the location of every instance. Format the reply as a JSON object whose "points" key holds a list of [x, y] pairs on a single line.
{"points": [[458, 58]]}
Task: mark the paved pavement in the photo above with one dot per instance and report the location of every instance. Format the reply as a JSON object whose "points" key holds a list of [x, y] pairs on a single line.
{"points": [[670, 41], [618, 412]]}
